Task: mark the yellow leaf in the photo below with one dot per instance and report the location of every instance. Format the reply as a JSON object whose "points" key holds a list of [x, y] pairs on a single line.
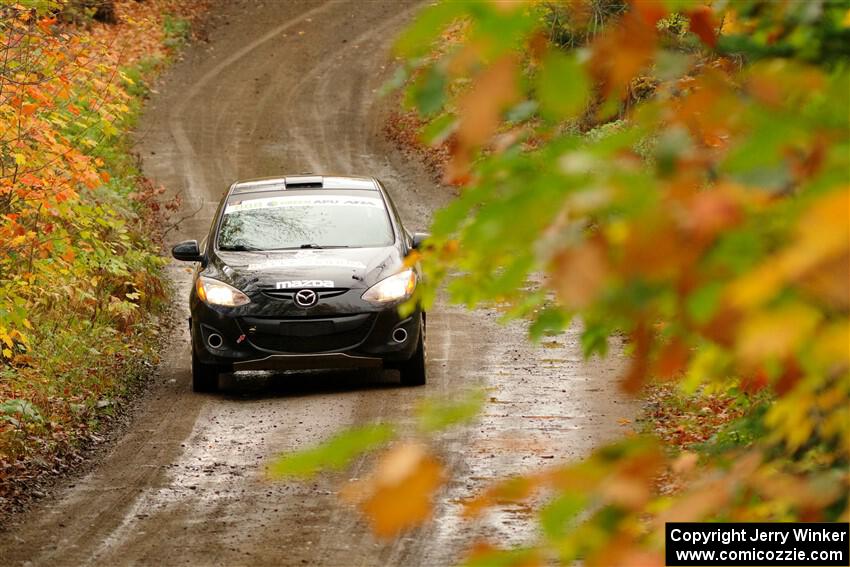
{"points": [[398, 494], [757, 286], [832, 347], [20, 159], [776, 333], [822, 234]]}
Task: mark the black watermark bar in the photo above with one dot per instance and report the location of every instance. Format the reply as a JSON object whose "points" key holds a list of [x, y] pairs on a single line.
{"points": [[762, 544]]}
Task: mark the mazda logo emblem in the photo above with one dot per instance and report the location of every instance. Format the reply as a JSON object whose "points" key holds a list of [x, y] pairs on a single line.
{"points": [[306, 298]]}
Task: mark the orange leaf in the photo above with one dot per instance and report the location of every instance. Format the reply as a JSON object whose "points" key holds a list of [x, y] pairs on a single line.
{"points": [[791, 374], [672, 360], [712, 212], [624, 552], [579, 273], [398, 493], [28, 109], [650, 10], [481, 108], [755, 382], [685, 463], [619, 54], [702, 24], [29, 179], [631, 484], [830, 283], [45, 24], [699, 503], [510, 490], [657, 249], [635, 377]]}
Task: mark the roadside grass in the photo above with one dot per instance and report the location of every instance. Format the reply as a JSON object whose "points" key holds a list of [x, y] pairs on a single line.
{"points": [[177, 31], [83, 292], [688, 421]]}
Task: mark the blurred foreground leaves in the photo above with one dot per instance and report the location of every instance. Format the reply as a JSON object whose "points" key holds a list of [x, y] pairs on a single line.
{"points": [[333, 454], [678, 173]]}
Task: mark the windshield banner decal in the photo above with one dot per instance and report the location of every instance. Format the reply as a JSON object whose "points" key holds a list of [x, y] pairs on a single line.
{"points": [[302, 201]]}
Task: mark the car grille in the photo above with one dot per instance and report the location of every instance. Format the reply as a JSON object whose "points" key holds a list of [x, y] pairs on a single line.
{"points": [[289, 294], [302, 335]]}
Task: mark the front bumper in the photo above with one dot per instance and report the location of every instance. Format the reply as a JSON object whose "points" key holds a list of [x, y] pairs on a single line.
{"points": [[256, 341], [325, 361]]}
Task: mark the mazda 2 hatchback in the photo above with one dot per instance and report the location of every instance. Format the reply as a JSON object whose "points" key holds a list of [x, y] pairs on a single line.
{"points": [[304, 272]]}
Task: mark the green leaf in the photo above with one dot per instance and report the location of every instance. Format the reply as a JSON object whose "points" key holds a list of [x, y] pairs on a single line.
{"points": [[395, 82], [671, 65], [679, 5], [704, 301], [562, 86], [41, 7], [503, 558], [557, 515], [550, 321], [15, 407], [594, 340], [522, 111], [333, 454], [429, 92], [439, 129], [417, 39], [435, 415]]}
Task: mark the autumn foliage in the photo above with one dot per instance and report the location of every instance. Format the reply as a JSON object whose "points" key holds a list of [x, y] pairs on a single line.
{"points": [[679, 174], [79, 263]]}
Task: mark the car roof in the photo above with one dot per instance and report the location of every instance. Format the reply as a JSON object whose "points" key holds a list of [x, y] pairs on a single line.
{"points": [[305, 181]]}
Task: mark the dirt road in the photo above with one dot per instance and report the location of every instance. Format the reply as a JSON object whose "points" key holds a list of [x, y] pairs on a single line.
{"points": [[290, 86]]}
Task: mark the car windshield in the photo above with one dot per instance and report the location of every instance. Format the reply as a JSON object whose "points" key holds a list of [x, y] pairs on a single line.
{"points": [[304, 221]]}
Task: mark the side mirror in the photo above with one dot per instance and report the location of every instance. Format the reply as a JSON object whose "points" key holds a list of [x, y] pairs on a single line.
{"points": [[419, 238], [187, 251]]}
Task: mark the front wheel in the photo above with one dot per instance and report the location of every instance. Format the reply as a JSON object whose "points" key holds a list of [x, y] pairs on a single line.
{"points": [[204, 376]]}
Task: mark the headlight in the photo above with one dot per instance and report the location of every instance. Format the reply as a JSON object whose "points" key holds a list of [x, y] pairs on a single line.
{"points": [[393, 288], [214, 292]]}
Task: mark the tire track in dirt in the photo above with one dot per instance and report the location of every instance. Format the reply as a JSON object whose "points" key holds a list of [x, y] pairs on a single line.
{"points": [[193, 174]]}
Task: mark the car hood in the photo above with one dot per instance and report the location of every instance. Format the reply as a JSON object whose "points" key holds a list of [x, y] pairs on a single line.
{"points": [[355, 268]]}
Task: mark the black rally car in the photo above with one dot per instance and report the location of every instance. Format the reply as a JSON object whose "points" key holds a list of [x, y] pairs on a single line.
{"points": [[304, 272]]}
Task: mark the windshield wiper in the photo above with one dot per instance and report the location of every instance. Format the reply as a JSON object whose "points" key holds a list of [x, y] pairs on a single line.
{"points": [[239, 248], [310, 246]]}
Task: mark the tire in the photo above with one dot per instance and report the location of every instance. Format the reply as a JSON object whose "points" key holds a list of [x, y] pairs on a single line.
{"points": [[204, 376], [413, 372]]}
